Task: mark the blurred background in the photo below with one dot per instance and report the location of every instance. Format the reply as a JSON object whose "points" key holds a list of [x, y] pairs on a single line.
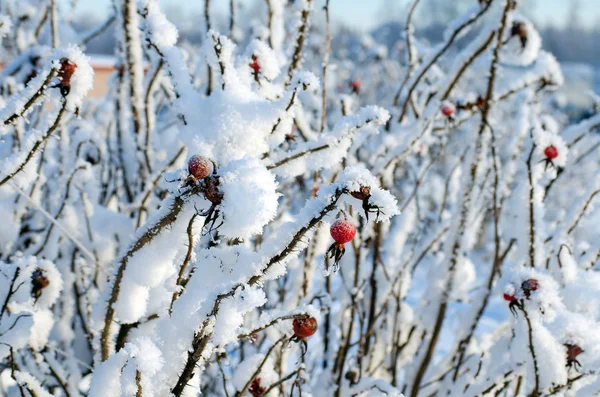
{"points": [[570, 28]]}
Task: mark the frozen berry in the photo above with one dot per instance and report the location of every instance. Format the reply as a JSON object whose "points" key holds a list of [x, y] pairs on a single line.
{"points": [[528, 286], [199, 167], [362, 193], [355, 85], [519, 29], [551, 152], [509, 297], [448, 109], [256, 389], [65, 73], [255, 65], [342, 231], [38, 283], [305, 327]]}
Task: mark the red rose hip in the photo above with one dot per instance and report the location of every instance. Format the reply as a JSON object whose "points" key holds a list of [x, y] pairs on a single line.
{"points": [[255, 65], [448, 109], [342, 231], [551, 152], [199, 167], [305, 327]]}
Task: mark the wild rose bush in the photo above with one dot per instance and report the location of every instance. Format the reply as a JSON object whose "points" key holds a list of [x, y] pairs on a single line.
{"points": [[273, 215]]}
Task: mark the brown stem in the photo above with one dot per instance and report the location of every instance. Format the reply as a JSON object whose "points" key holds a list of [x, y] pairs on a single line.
{"points": [[262, 363], [38, 94], [37, 144], [186, 261], [302, 33]]}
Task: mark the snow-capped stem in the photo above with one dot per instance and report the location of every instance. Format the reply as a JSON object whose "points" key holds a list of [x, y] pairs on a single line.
{"points": [[325, 64], [91, 35], [119, 108], [467, 64], [53, 221], [38, 143], [408, 32], [133, 57], [199, 343], [583, 211], [138, 383], [297, 156], [218, 47], [162, 224], [536, 371], [270, 324], [287, 108], [31, 101], [260, 366], [186, 261], [61, 208], [447, 44], [284, 379], [149, 119], [53, 24], [150, 188], [302, 33], [291, 246]]}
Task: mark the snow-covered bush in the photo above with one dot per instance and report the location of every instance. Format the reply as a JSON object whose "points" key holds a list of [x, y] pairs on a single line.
{"points": [[268, 214]]}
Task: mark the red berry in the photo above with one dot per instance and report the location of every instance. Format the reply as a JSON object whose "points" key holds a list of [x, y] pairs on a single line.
{"points": [[342, 231], [355, 85], [199, 167], [362, 193], [573, 351], [529, 286], [305, 327], [38, 283], [448, 109], [255, 65], [551, 152], [256, 389], [509, 298]]}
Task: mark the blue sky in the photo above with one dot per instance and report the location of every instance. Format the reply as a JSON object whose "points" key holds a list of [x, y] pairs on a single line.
{"points": [[363, 14]]}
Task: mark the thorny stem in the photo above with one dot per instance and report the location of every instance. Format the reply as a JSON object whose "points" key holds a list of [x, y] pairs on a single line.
{"points": [[202, 337], [536, 390], [270, 324], [186, 261], [37, 144], [259, 368], [167, 220], [39, 93], [302, 32]]}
